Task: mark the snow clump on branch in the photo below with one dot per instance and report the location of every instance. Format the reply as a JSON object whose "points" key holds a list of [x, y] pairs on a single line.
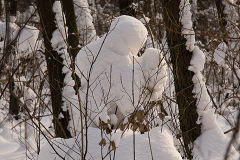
{"points": [[187, 25]]}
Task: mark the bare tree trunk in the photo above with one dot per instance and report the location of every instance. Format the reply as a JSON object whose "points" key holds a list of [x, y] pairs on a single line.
{"points": [[11, 10], [1, 8], [180, 59], [73, 35], [13, 104], [54, 66], [12, 7]]}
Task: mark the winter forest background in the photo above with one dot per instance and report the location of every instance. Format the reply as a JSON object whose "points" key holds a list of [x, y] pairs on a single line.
{"points": [[124, 79]]}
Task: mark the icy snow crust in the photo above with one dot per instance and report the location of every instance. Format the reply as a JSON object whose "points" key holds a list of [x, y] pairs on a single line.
{"points": [[115, 81]]}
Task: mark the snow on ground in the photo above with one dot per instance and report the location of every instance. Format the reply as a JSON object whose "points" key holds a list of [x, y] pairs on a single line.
{"points": [[161, 143], [13, 145], [10, 149], [219, 53], [212, 143], [26, 40]]}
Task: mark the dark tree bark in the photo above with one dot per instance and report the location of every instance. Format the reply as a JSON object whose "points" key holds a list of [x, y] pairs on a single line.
{"points": [[13, 104], [73, 35], [126, 8], [180, 59], [54, 66], [13, 7], [1, 8], [24, 4], [11, 10]]}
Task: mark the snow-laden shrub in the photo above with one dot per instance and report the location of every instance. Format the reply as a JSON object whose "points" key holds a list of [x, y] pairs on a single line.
{"points": [[115, 82]]}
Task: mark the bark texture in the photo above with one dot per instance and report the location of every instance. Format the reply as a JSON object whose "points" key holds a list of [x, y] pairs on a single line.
{"points": [[73, 35], [11, 10], [1, 8], [54, 66], [180, 59], [13, 104]]}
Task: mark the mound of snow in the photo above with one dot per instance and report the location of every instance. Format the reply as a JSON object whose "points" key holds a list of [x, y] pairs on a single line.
{"points": [[114, 77], [161, 143], [212, 143], [26, 40]]}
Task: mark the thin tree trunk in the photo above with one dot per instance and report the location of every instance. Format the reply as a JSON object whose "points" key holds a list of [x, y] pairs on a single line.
{"points": [[13, 7], [54, 66], [180, 59], [11, 10], [73, 35], [1, 8], [13, 104]]}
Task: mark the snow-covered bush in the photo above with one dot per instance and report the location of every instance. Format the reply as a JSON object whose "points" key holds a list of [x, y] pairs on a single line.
{"points": [[115, 82]]}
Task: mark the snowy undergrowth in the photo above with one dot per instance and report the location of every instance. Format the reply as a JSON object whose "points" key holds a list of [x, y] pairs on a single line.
{"points": [[115, 83], [19, 138], [13, 143]]}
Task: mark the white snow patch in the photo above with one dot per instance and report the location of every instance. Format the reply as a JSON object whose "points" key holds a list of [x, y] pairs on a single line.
{"points": [[212, 143], [186, 21], [13, 30], [116, 137], [161, 143], [84, 22], [113, 119], [60, 34], [198, 60], [219, 53], [27, 41]]}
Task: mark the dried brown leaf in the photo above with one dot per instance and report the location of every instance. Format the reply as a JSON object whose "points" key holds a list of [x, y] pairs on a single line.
{"points": [[112, 143], [103, 142]]}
